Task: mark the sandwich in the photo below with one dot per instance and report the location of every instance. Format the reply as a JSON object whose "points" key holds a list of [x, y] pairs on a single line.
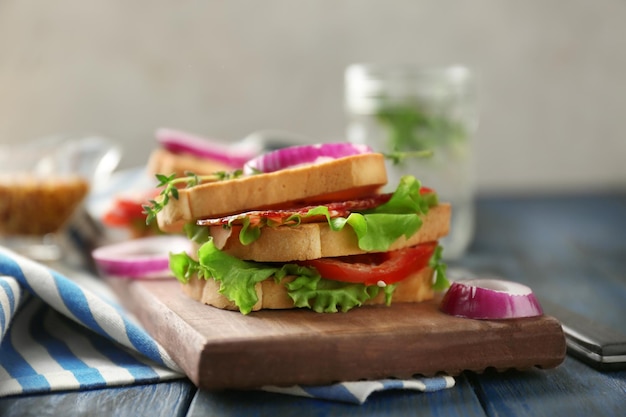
{"points": [[181, 152], [178, 153], [305, 227]]}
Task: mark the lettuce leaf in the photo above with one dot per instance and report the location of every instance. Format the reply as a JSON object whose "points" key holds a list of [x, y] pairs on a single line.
{"points": [[195, 233], [249, 234], [326, 296], [238, 278], [378, 228], [407, 198], [436, 263]]}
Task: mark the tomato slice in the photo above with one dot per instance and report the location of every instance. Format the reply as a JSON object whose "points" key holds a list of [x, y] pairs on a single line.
{"points": [[371, 268], [126, 210]]}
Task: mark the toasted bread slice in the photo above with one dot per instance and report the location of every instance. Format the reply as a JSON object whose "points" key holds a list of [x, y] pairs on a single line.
{"points": [[417, 287], [340, 179], [162, 161], [318, 240]]}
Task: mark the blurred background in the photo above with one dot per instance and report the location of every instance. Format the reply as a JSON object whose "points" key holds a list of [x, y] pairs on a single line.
{"points": [[552, 88]]}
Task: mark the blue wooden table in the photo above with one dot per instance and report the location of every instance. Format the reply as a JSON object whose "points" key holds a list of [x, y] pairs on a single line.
{"points": [[570, 249]]}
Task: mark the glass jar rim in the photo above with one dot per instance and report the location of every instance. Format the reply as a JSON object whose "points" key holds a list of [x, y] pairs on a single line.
{"points": [[368, 86]]}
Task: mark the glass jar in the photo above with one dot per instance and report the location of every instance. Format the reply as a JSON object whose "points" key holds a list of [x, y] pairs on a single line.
{"points": [[43, 183], [409, 108]]}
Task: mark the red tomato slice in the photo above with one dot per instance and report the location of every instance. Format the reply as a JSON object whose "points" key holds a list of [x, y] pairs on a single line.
{"points": [[370, 268], [125, 210]]}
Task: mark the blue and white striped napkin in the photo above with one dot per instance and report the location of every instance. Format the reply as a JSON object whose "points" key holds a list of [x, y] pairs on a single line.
{"points": [[59, 333], [357, 392]]}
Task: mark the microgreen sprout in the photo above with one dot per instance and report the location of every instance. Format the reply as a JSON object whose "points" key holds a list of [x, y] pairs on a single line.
{"points": [[398, 157], [170, 185]]}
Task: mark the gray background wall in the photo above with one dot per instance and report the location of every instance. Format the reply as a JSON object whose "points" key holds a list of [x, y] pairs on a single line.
{"points": [[553, 90]]}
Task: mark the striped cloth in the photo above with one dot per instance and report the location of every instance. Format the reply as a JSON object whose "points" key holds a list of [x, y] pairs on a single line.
{"points": [[59, 333], [357, 392]]}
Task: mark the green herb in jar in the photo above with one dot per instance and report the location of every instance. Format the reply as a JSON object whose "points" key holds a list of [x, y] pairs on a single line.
{"points": [[411, 128]]}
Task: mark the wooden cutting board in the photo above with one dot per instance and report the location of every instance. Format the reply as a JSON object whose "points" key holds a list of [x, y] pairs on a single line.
{"points": [[221, 349]]}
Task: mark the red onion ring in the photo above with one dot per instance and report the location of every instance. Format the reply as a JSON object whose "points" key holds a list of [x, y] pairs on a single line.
{"points": [[140, 258], [302, 154], [485, 298], [234, 155]]}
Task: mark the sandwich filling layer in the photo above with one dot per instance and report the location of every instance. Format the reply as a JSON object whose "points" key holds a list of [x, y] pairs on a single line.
{"points": [[364, 254]]}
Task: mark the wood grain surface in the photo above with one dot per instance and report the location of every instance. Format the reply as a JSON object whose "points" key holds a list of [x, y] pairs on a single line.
{"points": [[224, 349], [166, 399], [569, 249], [460, 401]]}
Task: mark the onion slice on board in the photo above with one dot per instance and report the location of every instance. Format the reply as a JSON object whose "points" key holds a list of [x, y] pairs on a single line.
{"points": [[293, 156], [489, 298], [139, 258], [234, 155]]}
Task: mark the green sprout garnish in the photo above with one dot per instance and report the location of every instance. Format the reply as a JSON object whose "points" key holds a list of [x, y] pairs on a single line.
{"points": [[171, 185], [397, 157], [410, 126]]}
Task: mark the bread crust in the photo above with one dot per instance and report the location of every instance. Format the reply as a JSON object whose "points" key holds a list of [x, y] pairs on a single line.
{"points": [[318, 240], [415, 288], [162, 161], [340, 179]]}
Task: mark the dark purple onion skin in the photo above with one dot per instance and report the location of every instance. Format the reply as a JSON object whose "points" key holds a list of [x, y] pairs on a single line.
{"points": [[138, 258], [488, 304], [302, 154], [182, 142], [132, 269]]}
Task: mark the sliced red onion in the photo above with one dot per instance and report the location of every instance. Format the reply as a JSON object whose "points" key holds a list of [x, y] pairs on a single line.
{"points": [[487, 298], [234, 155], [293, 156], [140, 258]]}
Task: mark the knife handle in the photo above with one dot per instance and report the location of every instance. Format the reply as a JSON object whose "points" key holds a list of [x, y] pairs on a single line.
{"points": [[597, 345]]}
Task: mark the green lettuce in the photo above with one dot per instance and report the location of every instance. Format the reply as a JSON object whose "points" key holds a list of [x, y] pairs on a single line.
{"points": [[376, 229], [238, 278], [308, 289], [439, 267]]}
